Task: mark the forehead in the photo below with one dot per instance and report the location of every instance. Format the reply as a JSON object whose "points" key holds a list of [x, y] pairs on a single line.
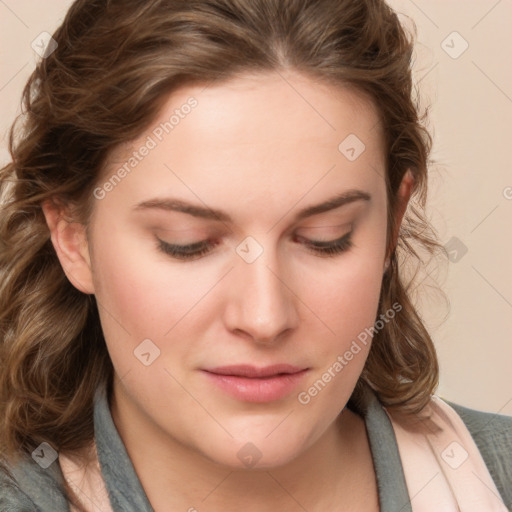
{"points": [[256, 136], [268, 111]]}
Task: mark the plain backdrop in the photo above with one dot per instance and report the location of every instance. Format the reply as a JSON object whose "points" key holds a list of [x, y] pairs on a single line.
{"points": [[462, 67]]}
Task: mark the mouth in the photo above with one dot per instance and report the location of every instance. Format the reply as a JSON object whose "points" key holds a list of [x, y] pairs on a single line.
{"points": [[258, 385]]}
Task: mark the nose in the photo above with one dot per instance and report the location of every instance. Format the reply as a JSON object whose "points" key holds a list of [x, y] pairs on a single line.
{"points": [[262, 305]]}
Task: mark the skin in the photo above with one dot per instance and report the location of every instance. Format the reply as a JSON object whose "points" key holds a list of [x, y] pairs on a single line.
{"points": [[256, 149]]}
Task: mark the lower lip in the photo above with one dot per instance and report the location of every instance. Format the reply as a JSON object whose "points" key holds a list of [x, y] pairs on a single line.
{"points": [[258, 390]]}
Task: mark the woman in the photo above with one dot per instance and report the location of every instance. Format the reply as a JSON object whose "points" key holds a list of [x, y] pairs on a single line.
{"points": [[204, 233]]}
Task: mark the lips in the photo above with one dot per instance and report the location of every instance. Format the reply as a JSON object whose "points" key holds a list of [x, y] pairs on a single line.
{"points": [[251, 384], [248, 371]]}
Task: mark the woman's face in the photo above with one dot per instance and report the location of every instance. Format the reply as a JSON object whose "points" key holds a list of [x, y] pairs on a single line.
{"points": [[260, 175]]}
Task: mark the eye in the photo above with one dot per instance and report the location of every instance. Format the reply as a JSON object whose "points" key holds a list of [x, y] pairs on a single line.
{"points": [[186, 252], [330, 248], [198, 249]]}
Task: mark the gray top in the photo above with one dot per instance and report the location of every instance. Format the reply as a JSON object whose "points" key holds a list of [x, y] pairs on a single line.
{"points": [[34, 489]]}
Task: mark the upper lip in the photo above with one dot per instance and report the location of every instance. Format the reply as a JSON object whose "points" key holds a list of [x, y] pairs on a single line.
{"points": [[249, 371]]}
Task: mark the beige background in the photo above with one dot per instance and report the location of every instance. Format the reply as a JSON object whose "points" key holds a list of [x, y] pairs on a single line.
{"points": [[471, 182]]}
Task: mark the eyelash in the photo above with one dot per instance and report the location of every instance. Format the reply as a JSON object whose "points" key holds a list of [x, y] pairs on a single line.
{"points": [[198, 249]]}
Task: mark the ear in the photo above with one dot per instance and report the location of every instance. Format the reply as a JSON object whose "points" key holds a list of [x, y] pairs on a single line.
{"points": [[403, 195], [70, 242]]}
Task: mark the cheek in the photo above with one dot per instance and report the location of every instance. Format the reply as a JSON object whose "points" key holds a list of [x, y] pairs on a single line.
{"points": [[134, 280], [346, 292], [137, 298], [347, 304]]}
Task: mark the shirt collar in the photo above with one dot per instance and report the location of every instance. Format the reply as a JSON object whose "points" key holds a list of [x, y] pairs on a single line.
{"points": [[123, 485]]}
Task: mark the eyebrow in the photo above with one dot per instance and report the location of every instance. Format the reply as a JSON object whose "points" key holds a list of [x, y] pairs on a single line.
{"points": [[178, 205]]}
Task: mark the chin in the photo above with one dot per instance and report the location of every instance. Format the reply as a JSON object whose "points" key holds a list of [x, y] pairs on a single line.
{"points": [[261, 453]]}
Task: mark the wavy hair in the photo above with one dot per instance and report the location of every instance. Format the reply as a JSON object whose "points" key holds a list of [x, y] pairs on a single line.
{"points": [[115, 64]]}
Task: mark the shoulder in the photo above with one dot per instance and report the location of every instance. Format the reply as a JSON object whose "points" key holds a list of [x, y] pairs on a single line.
{"points": [[12, 498], [492, 434], [27, 487], [490, 431]]}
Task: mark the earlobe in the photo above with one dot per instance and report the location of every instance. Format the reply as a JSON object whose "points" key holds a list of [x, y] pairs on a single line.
{"points": [[70, 242]]}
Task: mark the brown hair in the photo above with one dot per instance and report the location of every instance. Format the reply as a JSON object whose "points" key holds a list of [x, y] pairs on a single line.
{"points": [[115, 64]]}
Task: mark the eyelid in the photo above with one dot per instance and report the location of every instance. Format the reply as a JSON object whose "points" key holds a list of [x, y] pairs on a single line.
{"points": [[185, 252], [339, 226], [330, 231], [196, 250], [325, 243], [202, 243], [199, 240]]}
